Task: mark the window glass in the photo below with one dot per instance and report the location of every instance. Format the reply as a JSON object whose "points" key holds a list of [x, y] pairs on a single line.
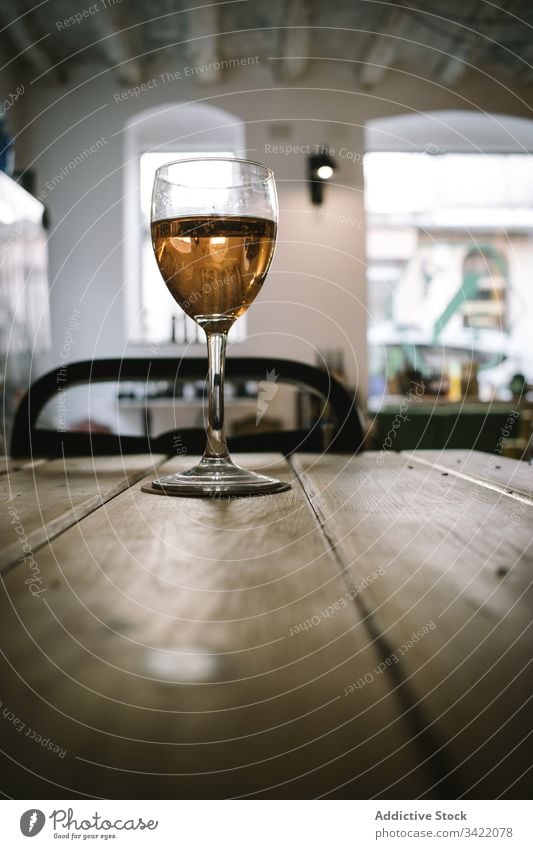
{"points": [[450, 260]]}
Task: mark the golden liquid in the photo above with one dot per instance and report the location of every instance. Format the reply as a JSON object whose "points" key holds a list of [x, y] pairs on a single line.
{"points": [[214, 266]]}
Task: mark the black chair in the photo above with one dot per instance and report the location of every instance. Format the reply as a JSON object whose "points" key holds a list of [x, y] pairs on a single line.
{"points": [[344, 435]]}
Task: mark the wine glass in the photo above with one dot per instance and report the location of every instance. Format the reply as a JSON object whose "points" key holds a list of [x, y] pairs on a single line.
{"points": [[214, 223]]}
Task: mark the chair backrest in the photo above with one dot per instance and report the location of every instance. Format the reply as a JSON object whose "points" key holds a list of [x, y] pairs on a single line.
{"points": [[345, 435]]}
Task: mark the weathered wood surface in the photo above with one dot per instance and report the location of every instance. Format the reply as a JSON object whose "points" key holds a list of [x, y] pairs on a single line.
{"points": [[198, 648], [458, 554], [7, 464], [176, 648], [39, 500], [502, 473]]}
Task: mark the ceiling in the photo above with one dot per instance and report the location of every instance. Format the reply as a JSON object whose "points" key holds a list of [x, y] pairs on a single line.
{"points": [[450, 131], [442, 40]]}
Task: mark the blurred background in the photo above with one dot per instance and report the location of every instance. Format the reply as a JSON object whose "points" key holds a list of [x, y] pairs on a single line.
{"points": [[400, 136]]}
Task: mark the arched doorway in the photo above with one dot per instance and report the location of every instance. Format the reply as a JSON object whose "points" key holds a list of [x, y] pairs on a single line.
{"points": [[151, 137]]}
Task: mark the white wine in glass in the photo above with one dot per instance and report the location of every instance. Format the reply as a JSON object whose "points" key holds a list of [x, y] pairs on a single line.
{"points": [[214, 224]]}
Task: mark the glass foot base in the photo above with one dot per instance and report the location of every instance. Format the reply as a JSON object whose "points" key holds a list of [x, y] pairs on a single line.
{"points": [[216, 479]]}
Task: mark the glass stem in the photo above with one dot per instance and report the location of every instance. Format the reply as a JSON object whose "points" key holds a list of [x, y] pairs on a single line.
{"points": [[216, 448]]}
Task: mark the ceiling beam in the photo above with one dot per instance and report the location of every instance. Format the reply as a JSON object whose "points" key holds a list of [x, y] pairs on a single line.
{"points": [[202, 44], [117, 44], [450, 72], [465, 45], [383, 49], [296, 41], [523, 72], [31, 50]]}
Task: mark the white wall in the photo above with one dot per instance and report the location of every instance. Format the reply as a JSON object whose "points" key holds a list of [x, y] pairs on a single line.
{"points": [[315, 295]]}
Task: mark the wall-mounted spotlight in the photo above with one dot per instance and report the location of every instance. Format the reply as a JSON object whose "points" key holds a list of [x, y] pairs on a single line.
{"points": [[321, 168]]}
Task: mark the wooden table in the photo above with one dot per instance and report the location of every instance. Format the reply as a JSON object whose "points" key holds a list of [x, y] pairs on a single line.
{"points": [[367, 634]]}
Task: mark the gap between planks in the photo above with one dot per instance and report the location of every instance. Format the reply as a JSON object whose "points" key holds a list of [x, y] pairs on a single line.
{"points": [[437, 764]]}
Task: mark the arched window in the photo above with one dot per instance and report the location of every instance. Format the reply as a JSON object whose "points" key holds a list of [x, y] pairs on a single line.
{"points": [[152, 137]]}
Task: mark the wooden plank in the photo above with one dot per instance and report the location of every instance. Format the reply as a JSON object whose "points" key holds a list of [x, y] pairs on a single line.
{"points": [[38, 501], [458, 555], [509, 476], [8, 464], [197, 648]]}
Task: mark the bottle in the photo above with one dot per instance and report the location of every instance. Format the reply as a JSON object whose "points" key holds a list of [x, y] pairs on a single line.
{"points": [[454, 375]]}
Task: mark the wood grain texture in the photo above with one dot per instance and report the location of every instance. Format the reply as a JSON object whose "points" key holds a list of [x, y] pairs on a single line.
{"points": [[40, 500], [8, 464], [197, 648], [505, 475], [458, 554]]}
